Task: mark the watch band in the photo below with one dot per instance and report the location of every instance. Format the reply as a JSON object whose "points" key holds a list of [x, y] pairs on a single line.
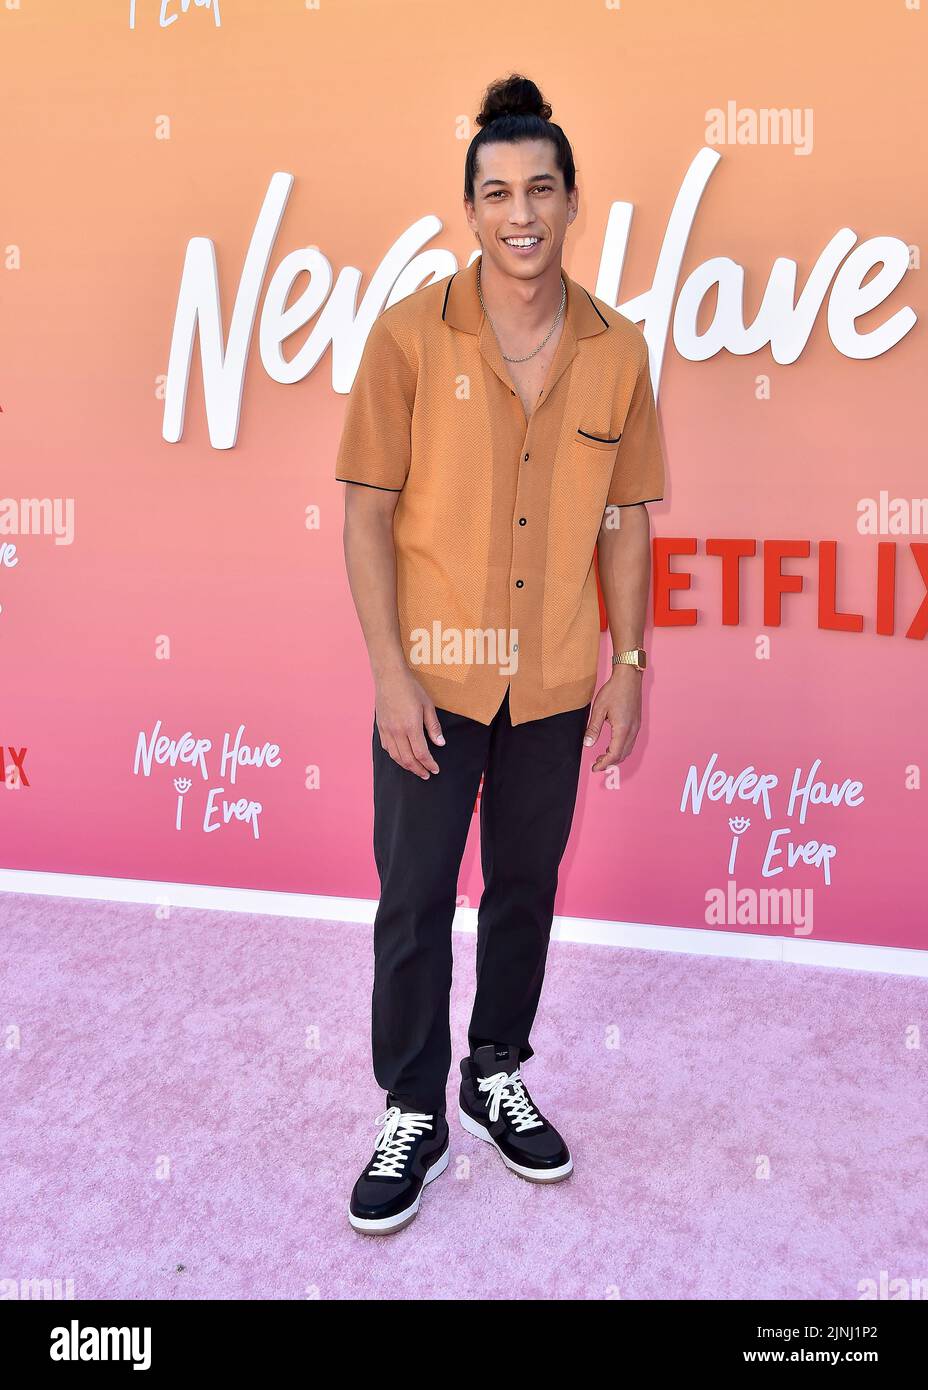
{"points": [[637, 657]]}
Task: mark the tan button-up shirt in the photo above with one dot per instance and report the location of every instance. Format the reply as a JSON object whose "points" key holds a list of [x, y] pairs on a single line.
{"points": [[498, 517]]}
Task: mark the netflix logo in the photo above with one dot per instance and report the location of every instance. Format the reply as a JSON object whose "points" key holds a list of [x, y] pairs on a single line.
{"points": [[880, 618]]}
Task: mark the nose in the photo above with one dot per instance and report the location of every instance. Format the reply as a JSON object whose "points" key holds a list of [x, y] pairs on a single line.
{"points": [[521, 212]]}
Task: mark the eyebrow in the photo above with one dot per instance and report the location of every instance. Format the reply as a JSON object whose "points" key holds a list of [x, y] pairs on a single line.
{"points": [[535, 178]]}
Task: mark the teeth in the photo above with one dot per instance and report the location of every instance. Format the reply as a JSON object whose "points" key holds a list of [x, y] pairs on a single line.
{"points": [[521, 241]]}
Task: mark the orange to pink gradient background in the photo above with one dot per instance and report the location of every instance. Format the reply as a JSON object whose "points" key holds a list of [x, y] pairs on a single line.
{"points": [[195, 592]]}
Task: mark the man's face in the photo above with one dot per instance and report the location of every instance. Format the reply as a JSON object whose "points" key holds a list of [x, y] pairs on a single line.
{"points": [[519, 193]]}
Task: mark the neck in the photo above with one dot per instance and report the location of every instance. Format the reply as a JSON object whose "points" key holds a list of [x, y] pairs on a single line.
{"points": [[524, 305]]}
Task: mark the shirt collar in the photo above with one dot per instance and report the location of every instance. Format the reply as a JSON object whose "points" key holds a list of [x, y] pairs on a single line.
{"points": [[461, 307]]}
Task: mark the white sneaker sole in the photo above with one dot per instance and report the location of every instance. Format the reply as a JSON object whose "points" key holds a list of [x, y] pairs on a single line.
{"points": [[475, 1128], [386, 1225]]}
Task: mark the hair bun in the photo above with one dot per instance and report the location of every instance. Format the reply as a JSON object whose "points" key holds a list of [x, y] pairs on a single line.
{"points": [[513, 96]]}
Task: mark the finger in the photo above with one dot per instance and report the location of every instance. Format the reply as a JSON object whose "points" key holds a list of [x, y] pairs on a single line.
{"points": [[594, 728], [388, 743], [406, 756], [420, 750], [396, 745], [610, 757], [432, 726], [629, 743]]}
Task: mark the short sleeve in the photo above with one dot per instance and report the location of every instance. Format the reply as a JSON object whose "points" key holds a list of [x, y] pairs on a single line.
{"points": [[638, 474], [375, 443]]}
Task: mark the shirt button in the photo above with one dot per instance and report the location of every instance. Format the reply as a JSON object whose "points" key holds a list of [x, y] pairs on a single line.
{"points": [[521, 520], [525, 457], [519, 583], [515, 646]]}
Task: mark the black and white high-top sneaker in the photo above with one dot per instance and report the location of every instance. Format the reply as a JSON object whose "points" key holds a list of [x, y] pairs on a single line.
{"points": [[412, 1148], [495, 1106]]}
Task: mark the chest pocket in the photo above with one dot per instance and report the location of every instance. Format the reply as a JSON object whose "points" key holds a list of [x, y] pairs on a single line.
{"points": [[596, 441]]}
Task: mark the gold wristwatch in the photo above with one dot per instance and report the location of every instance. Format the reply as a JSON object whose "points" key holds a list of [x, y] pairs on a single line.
{"points": [[636, 657]]}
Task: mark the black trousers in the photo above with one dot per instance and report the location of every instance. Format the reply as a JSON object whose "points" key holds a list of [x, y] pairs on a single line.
{"points": [[531, 773]]}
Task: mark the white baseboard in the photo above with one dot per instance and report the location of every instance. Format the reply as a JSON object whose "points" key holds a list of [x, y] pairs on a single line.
{"points": [[694, 941]]}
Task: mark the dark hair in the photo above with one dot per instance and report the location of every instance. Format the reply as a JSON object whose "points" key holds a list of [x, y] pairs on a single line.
{"points": [[514, 109]]}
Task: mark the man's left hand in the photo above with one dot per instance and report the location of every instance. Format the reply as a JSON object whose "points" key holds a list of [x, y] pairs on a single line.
{"points": [[619, 702]]}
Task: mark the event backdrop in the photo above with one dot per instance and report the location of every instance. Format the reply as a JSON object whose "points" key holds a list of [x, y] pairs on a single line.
{"points": [[204, 208]]}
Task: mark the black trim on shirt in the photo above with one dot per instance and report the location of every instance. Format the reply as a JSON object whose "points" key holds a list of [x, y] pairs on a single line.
{"points": [[444, 303], [600, 438], [635, 504], [590, 298], [380, 486]]}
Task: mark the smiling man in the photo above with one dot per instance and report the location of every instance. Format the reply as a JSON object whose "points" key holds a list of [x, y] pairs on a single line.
{"points": [[501, 425]]}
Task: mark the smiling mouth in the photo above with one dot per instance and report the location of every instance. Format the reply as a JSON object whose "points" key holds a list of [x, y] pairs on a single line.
{"points": [[521, 243]]}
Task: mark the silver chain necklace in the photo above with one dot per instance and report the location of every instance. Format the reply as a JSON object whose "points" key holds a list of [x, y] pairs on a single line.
{"points": [[557, 316]]}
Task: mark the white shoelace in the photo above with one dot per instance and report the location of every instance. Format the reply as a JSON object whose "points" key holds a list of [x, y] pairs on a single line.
{"points": [[511, 1091], [399, 1129]]}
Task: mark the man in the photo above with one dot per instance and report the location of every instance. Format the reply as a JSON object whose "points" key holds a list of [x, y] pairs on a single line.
{"points": [[500, 428]]}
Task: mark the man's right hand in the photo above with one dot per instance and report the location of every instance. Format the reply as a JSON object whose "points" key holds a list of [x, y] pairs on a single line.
{"points": [[403, 708]]}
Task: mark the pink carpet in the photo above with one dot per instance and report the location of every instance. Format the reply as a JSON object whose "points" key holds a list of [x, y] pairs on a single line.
{"points": [[186, 1104]]}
